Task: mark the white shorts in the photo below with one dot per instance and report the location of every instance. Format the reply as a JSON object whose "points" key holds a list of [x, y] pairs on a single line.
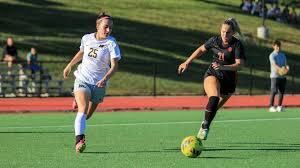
{"points": [[96, 93]]}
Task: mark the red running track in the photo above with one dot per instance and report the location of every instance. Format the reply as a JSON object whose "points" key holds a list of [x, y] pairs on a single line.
{"points": [[138, 103]]}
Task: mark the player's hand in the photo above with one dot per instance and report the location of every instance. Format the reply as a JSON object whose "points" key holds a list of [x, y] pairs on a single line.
{"points": [[283, 70], [216, 66], [182, 67], [287, 67], [101, 83], [66, 72]]}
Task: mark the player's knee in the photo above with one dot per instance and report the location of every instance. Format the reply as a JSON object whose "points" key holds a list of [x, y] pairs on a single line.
{"points": [[88, 116], [212, 104], [273, 91], [82, 107], [281, 92]]}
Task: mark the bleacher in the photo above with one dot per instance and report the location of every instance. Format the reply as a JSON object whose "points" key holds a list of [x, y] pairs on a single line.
{"points": [[21, 83]]}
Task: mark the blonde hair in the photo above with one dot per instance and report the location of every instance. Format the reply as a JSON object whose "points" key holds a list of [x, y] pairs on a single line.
{"points": [[102, 16], [235, 27]]}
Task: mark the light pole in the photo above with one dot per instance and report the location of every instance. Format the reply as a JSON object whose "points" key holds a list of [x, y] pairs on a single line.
{"points": [[263, 12], [263, 31]]}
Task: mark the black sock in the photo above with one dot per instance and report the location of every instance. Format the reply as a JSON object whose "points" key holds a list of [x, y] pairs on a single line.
{"points": [[211, 110], [79, 137]]}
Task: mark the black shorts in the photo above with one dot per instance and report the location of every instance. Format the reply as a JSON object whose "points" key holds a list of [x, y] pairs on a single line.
{"points": [[227, 81], [278, 84]]}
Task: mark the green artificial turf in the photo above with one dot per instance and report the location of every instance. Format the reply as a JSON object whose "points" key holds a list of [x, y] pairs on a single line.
{"points": [[238, 138]]}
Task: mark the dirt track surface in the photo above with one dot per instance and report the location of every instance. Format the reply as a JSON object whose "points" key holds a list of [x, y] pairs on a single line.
{"points": [[138, 103]]}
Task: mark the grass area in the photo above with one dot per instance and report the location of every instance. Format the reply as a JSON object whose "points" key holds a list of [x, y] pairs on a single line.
{"points": [[162, 32], [238, 138]]}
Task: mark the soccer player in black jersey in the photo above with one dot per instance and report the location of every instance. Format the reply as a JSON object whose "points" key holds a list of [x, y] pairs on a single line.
{"points": [[221, 76]]}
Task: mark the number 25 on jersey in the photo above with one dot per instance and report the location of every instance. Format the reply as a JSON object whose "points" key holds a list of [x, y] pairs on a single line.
{"points": [[93, 52]]}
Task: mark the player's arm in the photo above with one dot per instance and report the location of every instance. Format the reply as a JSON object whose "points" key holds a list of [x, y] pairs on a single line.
{"points": [[277, 67], [78, 57], [114, 63], [5, 53], [286, 66], [28, 58], [239, 54], [197, 53], [239, 63], [273, 62], [113, 68]]}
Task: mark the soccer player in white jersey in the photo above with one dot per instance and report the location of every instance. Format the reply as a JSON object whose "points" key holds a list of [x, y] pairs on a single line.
{"points": [[100, 54]]}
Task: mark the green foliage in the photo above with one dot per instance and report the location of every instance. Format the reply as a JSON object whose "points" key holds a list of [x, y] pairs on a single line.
{"points": [[291, 2]]}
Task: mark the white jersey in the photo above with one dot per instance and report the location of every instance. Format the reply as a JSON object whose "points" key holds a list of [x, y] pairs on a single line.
{"points": [[97, 55]]}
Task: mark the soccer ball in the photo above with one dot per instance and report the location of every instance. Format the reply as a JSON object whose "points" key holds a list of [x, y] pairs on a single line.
{"points": [[191, 146]]}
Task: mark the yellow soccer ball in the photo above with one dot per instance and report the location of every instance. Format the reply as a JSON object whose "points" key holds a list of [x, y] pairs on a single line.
{"points": [[191, 146]]}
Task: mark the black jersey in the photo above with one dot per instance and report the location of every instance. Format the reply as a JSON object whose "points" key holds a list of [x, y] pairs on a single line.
{"points": [[11, 50], [225, 56]]}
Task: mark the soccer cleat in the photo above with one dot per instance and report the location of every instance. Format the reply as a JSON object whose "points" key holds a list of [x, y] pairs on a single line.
{"points": [[80, 146], [279, 109], [74, 105], [272, 109], [203, 133]]}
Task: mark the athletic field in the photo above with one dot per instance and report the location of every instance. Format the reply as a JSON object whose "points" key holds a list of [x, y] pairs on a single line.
{"points": [[238, 138]]}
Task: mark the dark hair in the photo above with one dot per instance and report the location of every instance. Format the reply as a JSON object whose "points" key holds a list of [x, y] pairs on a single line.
{"points": [[101, 16], [276, 42]]}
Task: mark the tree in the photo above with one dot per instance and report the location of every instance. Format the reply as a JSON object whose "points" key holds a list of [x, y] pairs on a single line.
{"points": [[295, 3]]}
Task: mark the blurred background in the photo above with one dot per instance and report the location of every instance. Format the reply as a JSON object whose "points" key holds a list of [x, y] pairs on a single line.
{"points": [[155, 36]]}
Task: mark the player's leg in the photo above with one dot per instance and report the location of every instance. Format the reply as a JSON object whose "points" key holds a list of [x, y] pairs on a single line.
{"points": [[212, 89], [74, 104], [82, 98], [9, 60], [82, 95], [91, 109], [272, 95], [281, 88], [97, 97], [223, 100]]}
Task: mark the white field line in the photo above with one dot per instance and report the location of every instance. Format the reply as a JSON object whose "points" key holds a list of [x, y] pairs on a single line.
{"points": [[153, 123]]}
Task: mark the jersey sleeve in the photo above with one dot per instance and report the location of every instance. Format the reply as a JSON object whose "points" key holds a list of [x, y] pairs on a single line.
{"points": [[81, 47], [114, 50], [239, 51], [209, 43], [4, 52], [272, 58]]}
